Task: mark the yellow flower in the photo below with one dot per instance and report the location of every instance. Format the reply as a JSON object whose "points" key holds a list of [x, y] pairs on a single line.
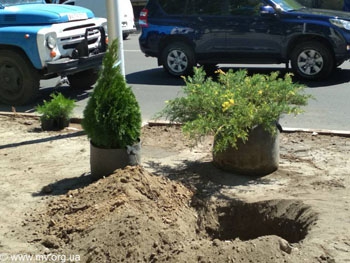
{"points": [[220, 71], [260, 92], [227, 104]]}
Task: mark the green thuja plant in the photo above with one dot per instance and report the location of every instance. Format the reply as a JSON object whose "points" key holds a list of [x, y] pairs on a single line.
{"points": [[58, 107], [112, 117]]}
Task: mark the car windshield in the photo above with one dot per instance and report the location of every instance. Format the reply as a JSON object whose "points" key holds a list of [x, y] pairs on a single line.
{"points": [[287, 5], [4, 3]]}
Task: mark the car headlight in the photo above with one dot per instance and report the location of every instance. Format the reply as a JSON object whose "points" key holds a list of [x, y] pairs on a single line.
{"points": [[105, 27], [51, 42], [340, 23]]}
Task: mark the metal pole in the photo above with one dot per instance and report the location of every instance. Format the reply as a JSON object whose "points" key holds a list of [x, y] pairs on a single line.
{"points": [[115, 28]]}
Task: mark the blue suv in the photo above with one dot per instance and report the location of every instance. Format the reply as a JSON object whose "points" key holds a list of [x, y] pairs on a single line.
{"points": [[184, 33]]}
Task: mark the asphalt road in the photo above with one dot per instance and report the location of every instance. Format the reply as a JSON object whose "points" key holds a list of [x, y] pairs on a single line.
{"points": [[152, 87]]}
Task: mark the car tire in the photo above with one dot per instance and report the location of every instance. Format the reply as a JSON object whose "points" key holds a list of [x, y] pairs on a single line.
{"points": [[312, 60], [210, 68], [19, 80], [178, 59], [84, 79]]}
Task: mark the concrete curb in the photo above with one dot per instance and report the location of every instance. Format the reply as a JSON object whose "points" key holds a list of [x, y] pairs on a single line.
{"points": [[317, 131], [160, 123], [20, 114], [284, 129], [33, 115]]}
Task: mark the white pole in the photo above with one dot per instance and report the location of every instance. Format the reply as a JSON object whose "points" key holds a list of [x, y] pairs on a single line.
{"points": [[115, 28]]}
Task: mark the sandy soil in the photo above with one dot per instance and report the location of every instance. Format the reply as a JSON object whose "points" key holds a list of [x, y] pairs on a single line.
{"points": [[175, 207]]}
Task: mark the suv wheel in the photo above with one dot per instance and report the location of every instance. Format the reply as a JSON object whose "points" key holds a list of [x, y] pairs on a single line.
{"points": [[210, 68], [178, 59], [312, 60]]}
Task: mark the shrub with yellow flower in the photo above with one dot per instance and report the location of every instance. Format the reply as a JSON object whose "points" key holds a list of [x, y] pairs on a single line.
{"points": [[233, 104]]}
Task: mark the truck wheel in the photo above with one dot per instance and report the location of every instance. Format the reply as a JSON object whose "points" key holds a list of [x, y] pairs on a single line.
{"points": [[178, 59], [84, 79], [312, 60], [19, 81]]}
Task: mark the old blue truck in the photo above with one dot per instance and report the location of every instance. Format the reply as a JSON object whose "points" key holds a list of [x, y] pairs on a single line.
{"points": [[43, 41]]}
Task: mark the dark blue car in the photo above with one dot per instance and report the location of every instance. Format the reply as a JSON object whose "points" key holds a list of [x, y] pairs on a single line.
{"points": [[184, 33]]}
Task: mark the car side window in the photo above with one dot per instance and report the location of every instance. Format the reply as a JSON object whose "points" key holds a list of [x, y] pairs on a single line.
{"points": [[174, 7], [244, 7], [212, 7]]}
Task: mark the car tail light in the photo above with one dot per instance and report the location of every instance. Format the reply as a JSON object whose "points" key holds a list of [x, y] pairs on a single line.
{"points": [[143, 22]]}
